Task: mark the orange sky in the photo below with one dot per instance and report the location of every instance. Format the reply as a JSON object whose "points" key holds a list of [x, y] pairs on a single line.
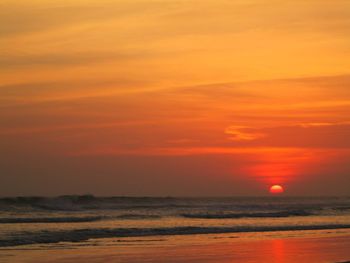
{"points": [[174, 97]]}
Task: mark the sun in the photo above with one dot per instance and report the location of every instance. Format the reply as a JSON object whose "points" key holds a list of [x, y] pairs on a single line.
{"points": [[276, 189]]}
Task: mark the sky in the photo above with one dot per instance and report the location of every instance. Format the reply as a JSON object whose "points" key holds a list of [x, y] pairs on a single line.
{"points": [[174, 98]]}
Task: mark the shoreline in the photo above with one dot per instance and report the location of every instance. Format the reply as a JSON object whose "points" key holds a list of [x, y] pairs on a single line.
{"points": [[294, 246]]}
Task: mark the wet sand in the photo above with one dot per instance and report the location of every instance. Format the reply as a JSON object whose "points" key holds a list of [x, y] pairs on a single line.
{"points": [[226, 248]]}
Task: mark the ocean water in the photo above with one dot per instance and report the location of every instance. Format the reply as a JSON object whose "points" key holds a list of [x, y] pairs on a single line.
{"points": [[78, 219]]}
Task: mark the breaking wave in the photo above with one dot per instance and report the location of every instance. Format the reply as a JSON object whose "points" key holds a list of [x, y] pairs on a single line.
{"points": [[78, 235], [251, 215], [74, 219], [85, 202], [137, 216], [21, 220], [280, 207]]}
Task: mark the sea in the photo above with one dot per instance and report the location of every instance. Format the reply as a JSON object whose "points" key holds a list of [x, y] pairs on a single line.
{"points": [[79, 219]]}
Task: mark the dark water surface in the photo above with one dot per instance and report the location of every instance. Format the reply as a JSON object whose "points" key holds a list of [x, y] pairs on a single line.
{"points": [[41, 220]]}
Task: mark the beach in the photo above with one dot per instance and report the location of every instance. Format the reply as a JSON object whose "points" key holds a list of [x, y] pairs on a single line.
{"points": [[280, 247]]}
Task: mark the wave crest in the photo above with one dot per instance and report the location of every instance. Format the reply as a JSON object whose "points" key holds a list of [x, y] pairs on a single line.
{"points": [[86, 234], [249, 215]]}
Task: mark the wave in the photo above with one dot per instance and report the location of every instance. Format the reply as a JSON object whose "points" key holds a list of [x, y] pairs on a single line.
{"points": [[20, 220], [61, 203], [75, 219], [137, 216], [84, 202], [251, 215], [249, 204], [79, 235], [342, 208]]}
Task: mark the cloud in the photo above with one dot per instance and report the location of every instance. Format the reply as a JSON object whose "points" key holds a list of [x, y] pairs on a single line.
{"points": [[243, 133], [30, 94], [24, 18], [325, 135], [179, 151], [62, 59], [321, 135], [322, 124]]}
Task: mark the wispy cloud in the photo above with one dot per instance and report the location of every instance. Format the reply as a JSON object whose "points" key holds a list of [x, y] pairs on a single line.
{"points": [[62, 59], [243, 133], [24, 17], [179, 151], [322, 124]]}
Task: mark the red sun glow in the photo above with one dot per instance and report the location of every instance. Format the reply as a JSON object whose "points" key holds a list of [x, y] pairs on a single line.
{"points": [[276, 189]]}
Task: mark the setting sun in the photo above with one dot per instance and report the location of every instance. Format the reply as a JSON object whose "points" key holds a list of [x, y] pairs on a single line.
{"points": [[276, 189]]}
